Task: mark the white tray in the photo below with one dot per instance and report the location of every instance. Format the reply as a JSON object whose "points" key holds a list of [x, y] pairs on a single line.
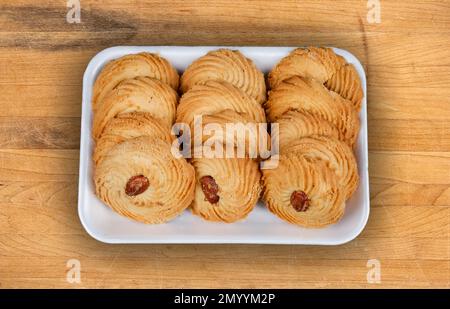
{"points": [[260, 227]]}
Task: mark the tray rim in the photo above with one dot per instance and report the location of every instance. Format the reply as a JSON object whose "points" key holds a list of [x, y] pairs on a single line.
{"points": [[99, 60]]}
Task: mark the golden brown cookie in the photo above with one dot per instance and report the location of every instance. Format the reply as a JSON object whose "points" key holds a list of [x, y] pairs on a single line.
{"points": [[226, 65], [303, 192], [141, 179], [236, 134], [323, 65], [127, 126], [140, 94], [131, 66], [214, 97], [319, 63], [346, 82], [308, 95], [338, 156], [294, 125], [226, 189]]}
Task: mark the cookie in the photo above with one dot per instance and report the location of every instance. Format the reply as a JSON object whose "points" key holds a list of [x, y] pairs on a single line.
{"points": [[226, 65], [303, 192], [338, 156], [142, 94], [236, 134], [310, 96], [323, 65], [127, 126], [346, 82], [130, 66], [319, 63], [142, 180], [214, 97], [294, 125], [226, 190]]}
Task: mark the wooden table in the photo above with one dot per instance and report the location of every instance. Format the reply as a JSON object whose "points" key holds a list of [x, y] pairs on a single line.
{"points": [[407, 60]]}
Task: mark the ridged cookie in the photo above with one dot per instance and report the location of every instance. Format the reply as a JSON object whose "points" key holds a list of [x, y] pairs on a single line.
{"points": [[226, 189], [127, 126], [337, 154], [323, 65], [142, 180], [141, 94], [226, 65], [294, 125], [214, 97], [308, 95], [346, 82], [130, 66], [303, 192], [319, 63], [235, 132]]}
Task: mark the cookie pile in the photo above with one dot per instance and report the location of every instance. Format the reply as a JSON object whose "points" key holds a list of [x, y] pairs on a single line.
{"points": [[224, 87], [315, 98], [136, 173]]}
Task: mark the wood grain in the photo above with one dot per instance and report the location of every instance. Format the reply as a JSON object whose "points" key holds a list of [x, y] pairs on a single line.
{"points": [[406, 58]]}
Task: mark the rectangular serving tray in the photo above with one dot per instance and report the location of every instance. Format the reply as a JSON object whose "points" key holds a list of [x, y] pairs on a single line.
{"points": [[260, 227]]}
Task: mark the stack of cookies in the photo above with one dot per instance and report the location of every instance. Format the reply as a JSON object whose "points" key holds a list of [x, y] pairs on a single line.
{"points": [[136, 172], [224, 87], [315, 98]]}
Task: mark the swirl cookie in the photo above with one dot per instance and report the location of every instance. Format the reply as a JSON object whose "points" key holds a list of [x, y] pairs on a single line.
{"points": [[318, 63], [226, 189], [226, 65], [302, 192], [323, 65], [131, 66], [294, 125], [310, 96], [214, 97], [235, 133], [128, 126], [142, 180], [338, 156], [142, 94], [346, 82]]}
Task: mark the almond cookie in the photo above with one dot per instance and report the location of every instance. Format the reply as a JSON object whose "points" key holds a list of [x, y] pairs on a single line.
{"points": [[130, 66], [214, 97], [226, 65], [302, 192], [294, 125], [226, 189], [141, 179], [338, 156], [128, 126], [142, 94], [323, 65], [236, 133], [308, 95]]}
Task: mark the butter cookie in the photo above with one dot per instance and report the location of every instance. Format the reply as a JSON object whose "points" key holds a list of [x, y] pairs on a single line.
{"points": [[226, 189], [303, 192], [131, 66], [226, 65], [214, 97], [141, 94], [338, 156], [294, 125], [323, 65], [127, 126], [308, 95], [141, 179]]}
